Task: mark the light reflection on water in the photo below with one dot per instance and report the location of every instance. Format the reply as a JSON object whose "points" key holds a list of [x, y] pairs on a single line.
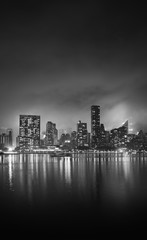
{"points": [[38, 174], [84, 180]]}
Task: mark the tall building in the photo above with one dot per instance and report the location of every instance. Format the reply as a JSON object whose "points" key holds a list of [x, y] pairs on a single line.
{"points": [[119, 136], [89, 139], [6, 138], [74, 139], [51, 134], [9, 132], [29, 132], [102, 136], [17, 142], [125, 127], [81, 134], [95, 126]]}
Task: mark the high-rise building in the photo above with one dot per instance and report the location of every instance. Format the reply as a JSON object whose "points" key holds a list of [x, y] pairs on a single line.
{"points": [[95, 125], [102, 136], [89, 139], [51, 134], [81, 134], [124, 128], [74, 139], [119, 136], [6, 138], [17, 141], [9, 132], [29, 132]]}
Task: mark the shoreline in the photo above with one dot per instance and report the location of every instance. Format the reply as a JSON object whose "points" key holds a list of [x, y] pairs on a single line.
{"points": [[66, 153]]}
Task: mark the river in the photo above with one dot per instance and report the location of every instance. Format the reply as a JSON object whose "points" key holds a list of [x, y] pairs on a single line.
{"points": [[75, 197]]}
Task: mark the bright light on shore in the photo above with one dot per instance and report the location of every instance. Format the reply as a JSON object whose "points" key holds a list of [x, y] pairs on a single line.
{"points": [[10, 149], [120, 150]]}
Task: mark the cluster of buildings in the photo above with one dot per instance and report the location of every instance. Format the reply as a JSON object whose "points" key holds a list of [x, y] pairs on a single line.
{"points": [[30, 139]]}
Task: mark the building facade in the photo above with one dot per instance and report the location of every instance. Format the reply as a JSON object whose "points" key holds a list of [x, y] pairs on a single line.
{"points": [[29, 132], [119, 136], [51, 134], [95, 126], [81, 134], [6, 136]]}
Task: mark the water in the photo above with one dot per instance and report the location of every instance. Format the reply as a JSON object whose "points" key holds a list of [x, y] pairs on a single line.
{"points": [[75, 198]]}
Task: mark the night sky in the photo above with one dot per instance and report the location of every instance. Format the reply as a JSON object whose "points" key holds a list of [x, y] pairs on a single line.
{"points": [[57, 60]]}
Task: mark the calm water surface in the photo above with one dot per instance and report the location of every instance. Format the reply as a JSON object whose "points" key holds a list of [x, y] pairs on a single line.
{"points": [[74, 197]]}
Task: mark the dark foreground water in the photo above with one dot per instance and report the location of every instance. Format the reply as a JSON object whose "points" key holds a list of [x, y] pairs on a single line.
{"points": [[72, 198]]}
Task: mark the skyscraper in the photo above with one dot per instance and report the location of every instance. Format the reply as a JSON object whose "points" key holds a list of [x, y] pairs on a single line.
{"points": [[10, 134], [125, 127], [51, 134], [81, 134], [74, 139], [6, 137], [119, 136], [29, 132], [95, 125]]}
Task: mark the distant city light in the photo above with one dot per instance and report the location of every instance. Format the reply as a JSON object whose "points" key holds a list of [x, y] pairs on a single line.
{"points": [[120, 150], [10, 149]]}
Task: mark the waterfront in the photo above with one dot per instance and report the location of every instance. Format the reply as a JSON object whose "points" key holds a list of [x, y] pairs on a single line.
{"points": [[73, 195]]}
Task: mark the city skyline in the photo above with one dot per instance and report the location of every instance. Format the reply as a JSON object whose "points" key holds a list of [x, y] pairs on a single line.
{"points": [[65, 130], [30, 134], [118, 139], [59, 59]]}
